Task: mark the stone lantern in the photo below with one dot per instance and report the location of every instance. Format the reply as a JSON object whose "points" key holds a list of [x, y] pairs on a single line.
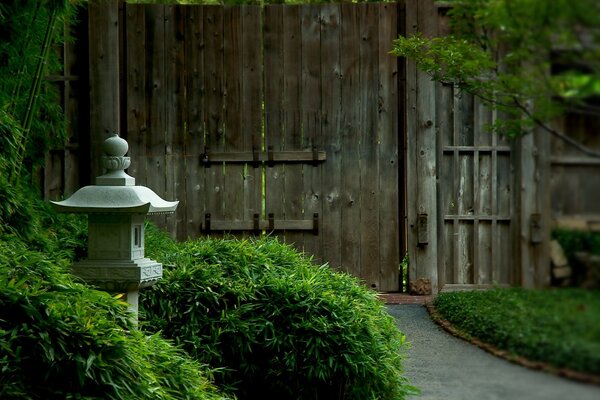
{"points": [[116, 210]]}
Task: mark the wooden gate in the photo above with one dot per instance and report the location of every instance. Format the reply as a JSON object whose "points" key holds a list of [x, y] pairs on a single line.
{"points": [[478, 212], [276, 119], [291, 120]]}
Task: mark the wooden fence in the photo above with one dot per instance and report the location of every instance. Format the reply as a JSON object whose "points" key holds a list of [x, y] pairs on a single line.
{"points": [[282, 119], [296, 120], [575, 178]]}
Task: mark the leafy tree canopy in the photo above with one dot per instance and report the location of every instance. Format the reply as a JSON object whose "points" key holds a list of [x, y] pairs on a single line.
{"points": [[532, 59]]}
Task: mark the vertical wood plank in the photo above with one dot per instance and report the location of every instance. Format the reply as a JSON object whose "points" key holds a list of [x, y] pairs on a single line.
{"points": [[448, 267], [213, 108], [80, 105], [311, 120], [445, 193], [233, 118], [292, 59], [525, 206], [175, 104], [401, 115], [252, 91], [411, 13], [484, 259], [349, 145], [274, 75], [156, 104], [53, 174], [503, 201], [369, 139], [504, 253], [330, 229], [482, 192], [389, 243], [136, 76], [494, 202], [560, 196], [475, 194], [426, 172], [446, 207], [103, 28], [464, 249], [465, 244], [455, 187], [194, 139], [73, 105], [541, 249]]}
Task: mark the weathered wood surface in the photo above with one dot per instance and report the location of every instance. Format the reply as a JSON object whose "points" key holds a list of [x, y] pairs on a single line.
{"points": [[213, 113], [389, 145], [575, 177], [137, 113], [195, 185], [175, 110], [104, 77], [421, 152], [291, 115], [331, 87], [61, 175], [274, 117], [228, 106], [252, 96], [239, 81], [462, 177]]}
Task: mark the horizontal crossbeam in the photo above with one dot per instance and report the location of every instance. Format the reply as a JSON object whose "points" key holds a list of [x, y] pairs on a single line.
{"points": [[263, 156], [258, 224]]}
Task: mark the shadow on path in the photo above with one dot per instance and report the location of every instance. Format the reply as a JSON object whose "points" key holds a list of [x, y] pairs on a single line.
{"points": [[447, 368]]}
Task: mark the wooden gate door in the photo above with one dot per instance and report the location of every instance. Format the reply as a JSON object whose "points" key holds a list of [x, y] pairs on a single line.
{"points": [[460, 177], [476, 196], [278, 119]]}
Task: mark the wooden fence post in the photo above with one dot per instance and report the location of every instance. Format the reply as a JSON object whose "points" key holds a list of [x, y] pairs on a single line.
{"points": [[421, 153], [542, 269], [532, 211], [104, 43]]}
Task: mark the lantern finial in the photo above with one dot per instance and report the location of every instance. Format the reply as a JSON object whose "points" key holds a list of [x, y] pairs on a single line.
{"points": [[115, 162]]}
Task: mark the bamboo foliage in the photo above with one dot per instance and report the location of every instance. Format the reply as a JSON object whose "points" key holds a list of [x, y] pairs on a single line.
{"points": [[31, 118]]}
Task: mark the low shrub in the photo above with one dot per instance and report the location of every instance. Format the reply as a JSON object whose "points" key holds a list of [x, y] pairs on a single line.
{"points": [[560, 326], [272, 323], [573, 241], [31, 220], [61, 339]]}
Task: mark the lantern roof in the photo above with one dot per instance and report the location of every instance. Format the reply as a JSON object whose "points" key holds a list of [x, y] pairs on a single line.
{"points": [[121, 199], [115, 191]]}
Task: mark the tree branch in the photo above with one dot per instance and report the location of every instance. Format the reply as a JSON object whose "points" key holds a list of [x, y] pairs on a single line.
{"points": [[556, 133]]}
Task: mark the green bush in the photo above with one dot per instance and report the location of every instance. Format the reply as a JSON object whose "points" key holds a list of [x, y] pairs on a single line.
{"points": [[32, 221], [573, 241], [272, 323], [559, 326], [60, 339]]}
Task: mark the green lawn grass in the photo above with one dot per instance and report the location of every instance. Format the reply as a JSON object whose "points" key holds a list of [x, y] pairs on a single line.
{"points": [[560, 327]]}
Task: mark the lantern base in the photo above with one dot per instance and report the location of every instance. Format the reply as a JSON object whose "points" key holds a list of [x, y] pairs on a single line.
{"points": [[118, 275]]}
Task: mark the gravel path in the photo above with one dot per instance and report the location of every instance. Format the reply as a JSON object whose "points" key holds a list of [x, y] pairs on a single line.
{"points": [[447, 368]]}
